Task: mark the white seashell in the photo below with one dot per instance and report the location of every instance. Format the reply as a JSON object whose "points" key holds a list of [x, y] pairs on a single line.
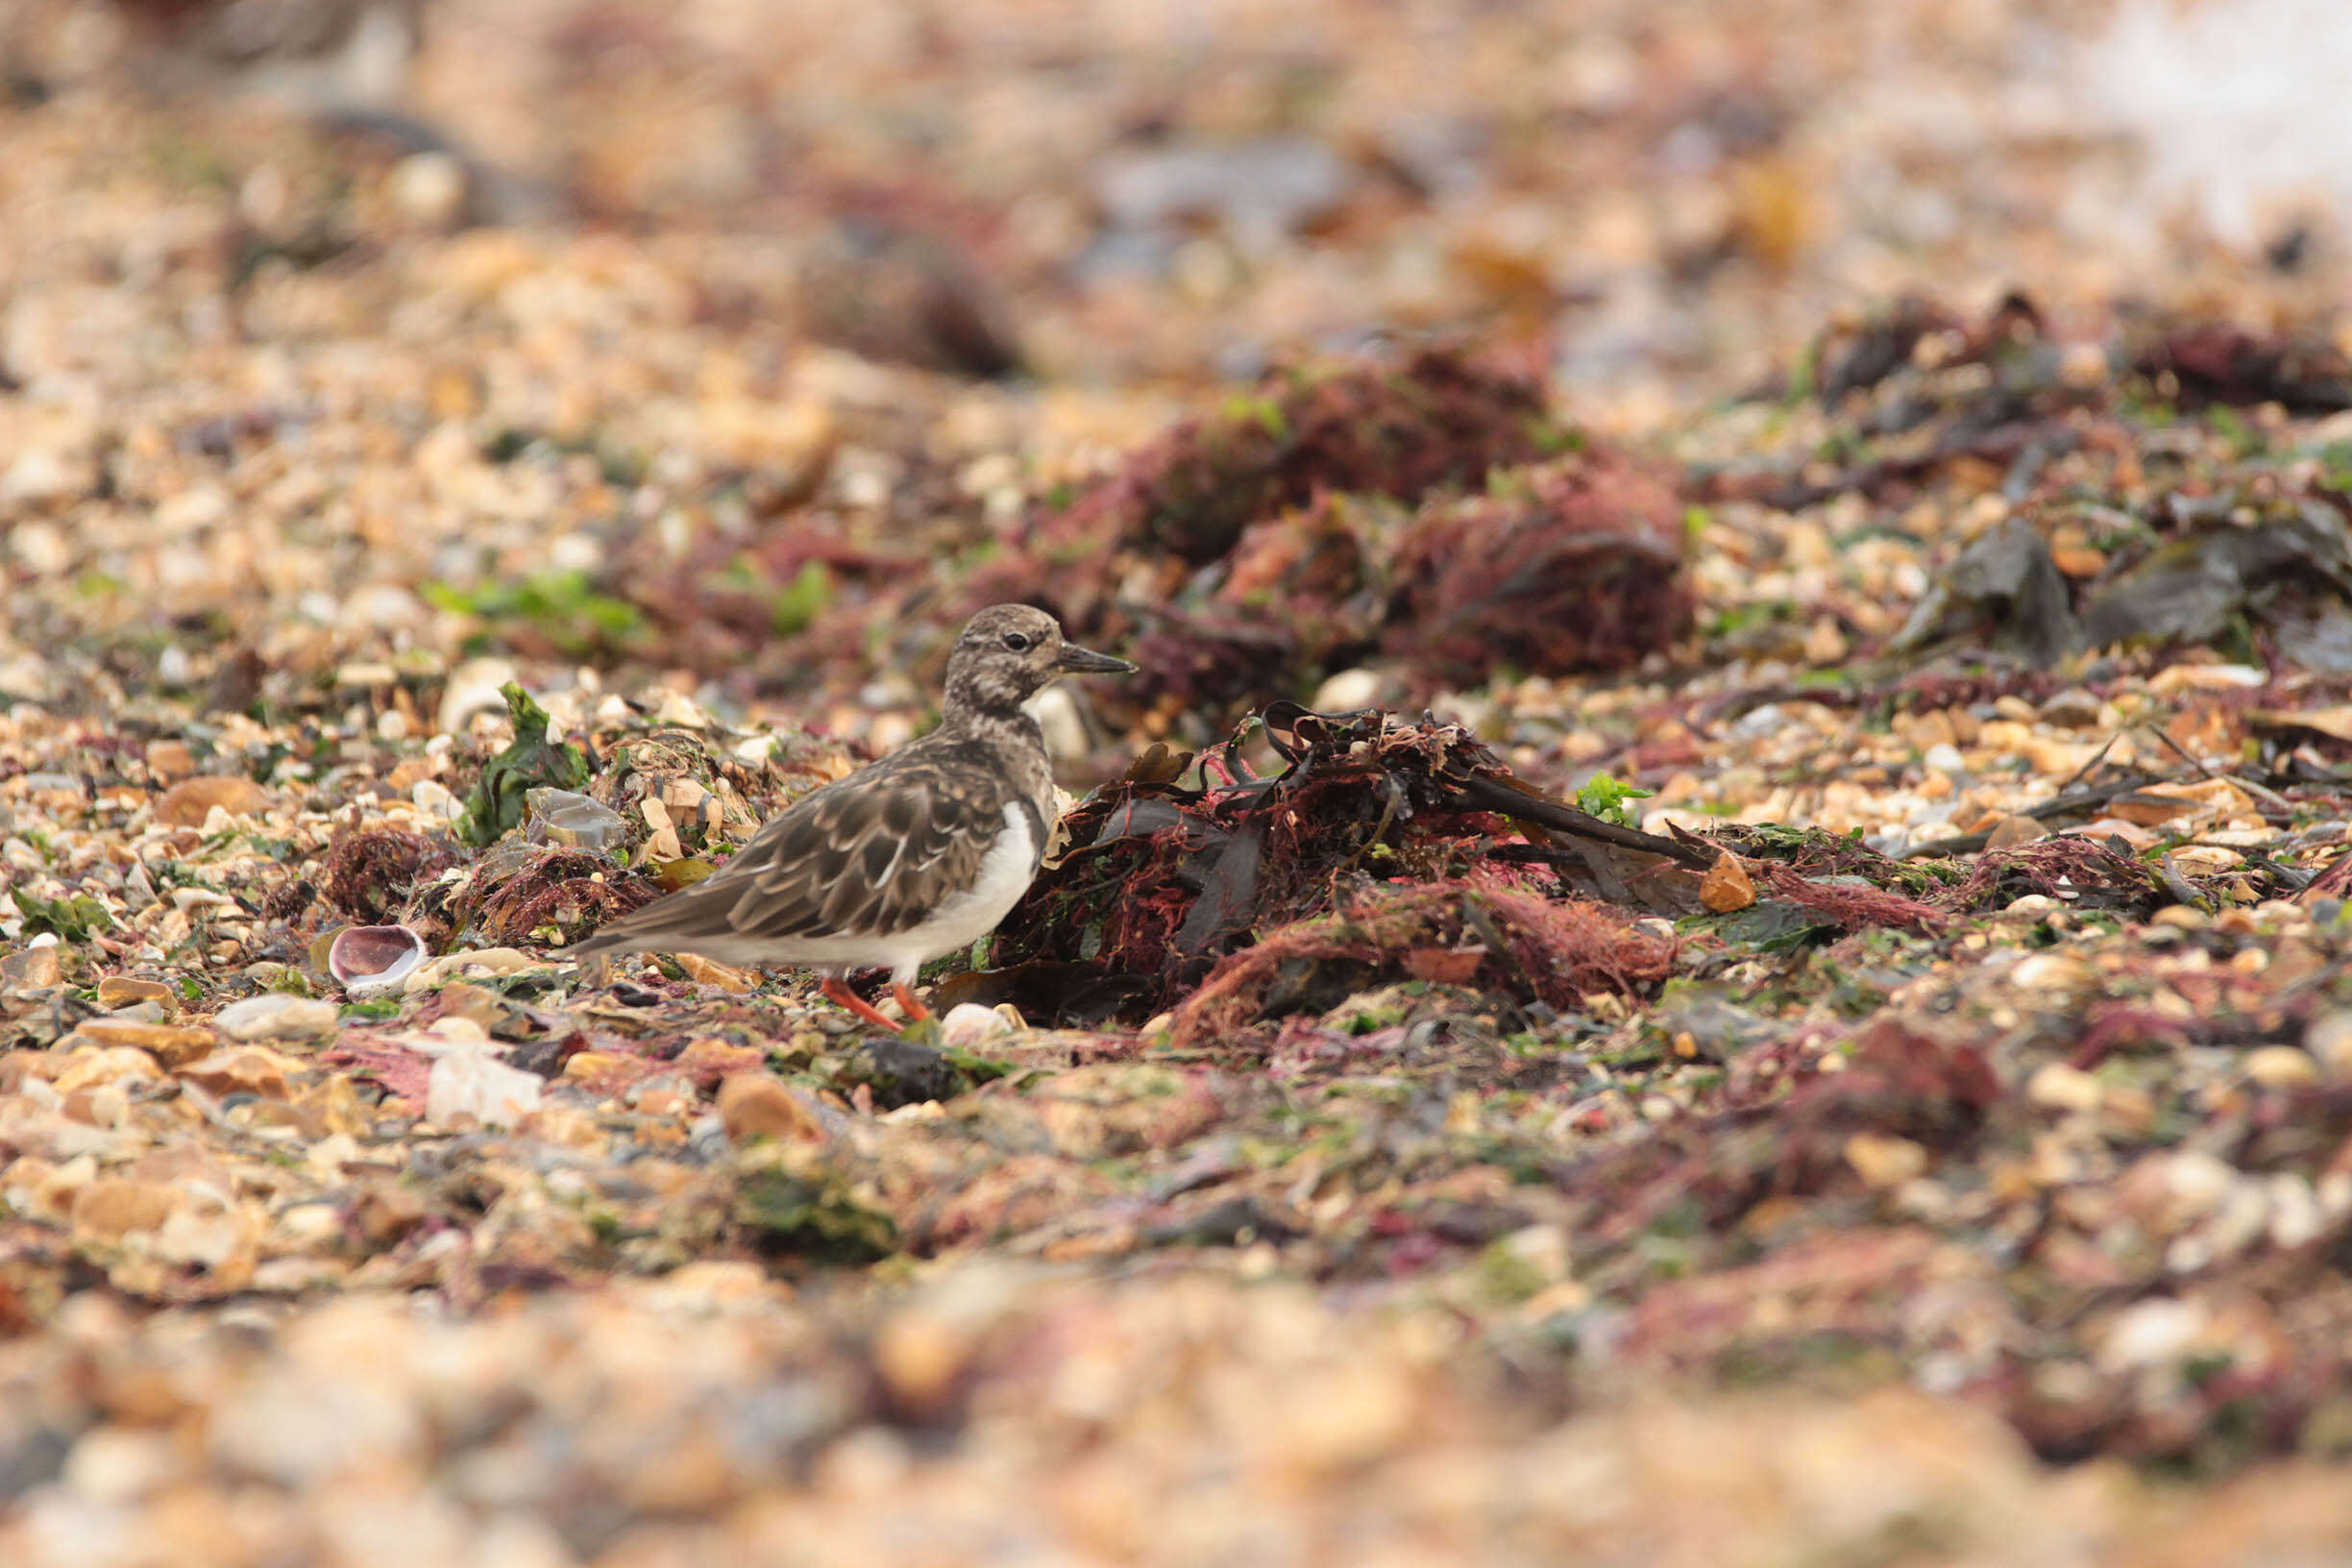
{"points": [[368, 960], [968, 1024]]}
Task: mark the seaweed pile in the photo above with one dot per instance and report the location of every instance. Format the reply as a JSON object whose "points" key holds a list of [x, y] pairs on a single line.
{"points": [[1377, 846]]}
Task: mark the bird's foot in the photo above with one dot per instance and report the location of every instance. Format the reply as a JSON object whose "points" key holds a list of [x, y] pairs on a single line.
{"points": [[910, 1004], [836, 992]]}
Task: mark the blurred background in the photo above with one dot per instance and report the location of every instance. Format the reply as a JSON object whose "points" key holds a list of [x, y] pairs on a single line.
{"points": [[621, 285], [1102, 192]]}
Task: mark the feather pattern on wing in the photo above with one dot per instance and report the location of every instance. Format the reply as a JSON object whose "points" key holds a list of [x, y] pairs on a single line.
{"points": [[870, 856]]}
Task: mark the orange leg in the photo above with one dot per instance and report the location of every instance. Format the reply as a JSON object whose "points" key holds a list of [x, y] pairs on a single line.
{"points": [[836, 992], [914, 1010]]}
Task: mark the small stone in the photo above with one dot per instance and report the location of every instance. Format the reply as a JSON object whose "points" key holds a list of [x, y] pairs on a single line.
{"points": [[249, 1070], [33, 968], [967, 1025], [430, 189], [1883, 1162], [1347, 690], [2151, 1333], [85, 1063], [2150, 808], [1058, 718], [188, 802], [1825, 642], [434, 796], [170, 760], [755, 1105], [2329, 1041], [706, 972], [469, 1081], [2015, 830], [663, 1094], [2282, 1066], [920, 1355], [477, 960], [474, 687], [708, 1063], [1946, 759], [114, 1207], [1726, 886], [117, 990], [278, 1017], [2181, 917], [2050, 971], [2061, 1088], [171, 1044], [2071, 709]]}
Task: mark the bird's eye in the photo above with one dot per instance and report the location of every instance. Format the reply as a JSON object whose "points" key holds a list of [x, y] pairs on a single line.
{"points": [[1017, 640]]}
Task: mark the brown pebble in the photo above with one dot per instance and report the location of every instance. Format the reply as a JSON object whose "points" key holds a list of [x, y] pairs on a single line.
{"points": [[168, 1043], [170, 760], [33, 968], [1727, 887], [755, 1105], [246, 1072], [188, 802], [120, 990], [2014, 830], [113, 1207]]}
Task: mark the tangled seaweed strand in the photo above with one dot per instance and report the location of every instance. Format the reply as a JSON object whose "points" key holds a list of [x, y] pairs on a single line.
{"points": [[2097, 876], [370, 873], [571, 889], [1530, 947], [1851, 904]]}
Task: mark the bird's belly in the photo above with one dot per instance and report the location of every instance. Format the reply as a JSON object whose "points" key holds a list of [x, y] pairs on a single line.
{"points": [[965, 917]]}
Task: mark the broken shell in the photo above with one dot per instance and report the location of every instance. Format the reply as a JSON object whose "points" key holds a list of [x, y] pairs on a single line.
{"points": [[366, 960], [566, 816]]}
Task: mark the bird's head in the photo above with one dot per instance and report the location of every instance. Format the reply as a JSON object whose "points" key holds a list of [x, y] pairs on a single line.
{"points": [[1009, 651]]}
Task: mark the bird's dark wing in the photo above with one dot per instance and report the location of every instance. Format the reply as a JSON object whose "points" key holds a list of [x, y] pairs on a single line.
{"points": [[873, 855]]}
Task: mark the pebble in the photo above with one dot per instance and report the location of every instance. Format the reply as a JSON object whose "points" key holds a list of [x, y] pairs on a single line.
{"points": [[278, 1017], [189, 802], [480, 960], [1347, 690], [1726, 886], [2329, 1040], [468, 1080], [2071, 709], [2015, 830], [967, 1025], [248, 1069], [1882, 1161], [473, 688], [755, 1105], [2282, 1066], [435, 798], [1056, 711], [117, 992], [2061, 1088], [2151, 1333], [168, 1043], [33, 968]]}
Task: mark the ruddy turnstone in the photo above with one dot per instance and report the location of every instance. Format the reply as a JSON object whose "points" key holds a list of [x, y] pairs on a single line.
{"points": [[917, 855]]}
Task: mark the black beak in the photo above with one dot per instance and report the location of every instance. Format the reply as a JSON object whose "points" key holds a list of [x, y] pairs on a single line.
{"points": [[1085, 661]]}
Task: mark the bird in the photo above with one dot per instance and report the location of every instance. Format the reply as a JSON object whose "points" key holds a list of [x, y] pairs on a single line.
{"points": [[919, 854]]}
